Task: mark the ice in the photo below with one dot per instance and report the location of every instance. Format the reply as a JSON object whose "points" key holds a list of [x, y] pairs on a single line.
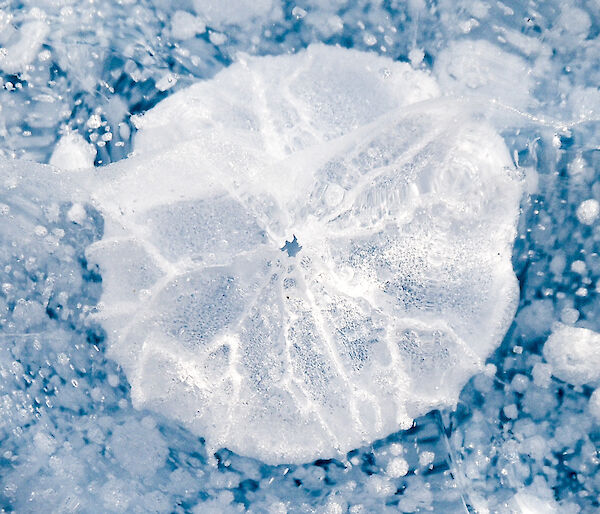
{"points": [[21, 45], [527, 502], [397, 467], [574, 354], [595, 404], [402, 208], [64, 402], [474, 68], [139, 447], [185, 25], [588, 211], [73, 152], [219, 14]]}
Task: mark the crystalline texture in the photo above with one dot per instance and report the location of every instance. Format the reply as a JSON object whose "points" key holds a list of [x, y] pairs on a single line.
{"points": [[403, 212]]}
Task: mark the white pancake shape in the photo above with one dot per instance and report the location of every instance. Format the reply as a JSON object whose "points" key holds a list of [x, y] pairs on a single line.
{"points": [[397, 288]]}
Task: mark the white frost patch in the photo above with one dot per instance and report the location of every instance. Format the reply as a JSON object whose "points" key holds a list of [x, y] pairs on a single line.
{"points": [[44, 442], [398, 287], [595, 404], [73, 152], [76, 213], [524, 502], [243, 13], [574, 354], [511, 411], [575, 21], [588, 211], [185, 25], [416, 56], [397, 467], [471, 68], [426, 458], [23, 47], [139, 447]]}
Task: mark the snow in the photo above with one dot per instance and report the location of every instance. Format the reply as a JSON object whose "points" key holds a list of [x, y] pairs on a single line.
{"points": [[395, 212], [397, 467], [219, 14]]}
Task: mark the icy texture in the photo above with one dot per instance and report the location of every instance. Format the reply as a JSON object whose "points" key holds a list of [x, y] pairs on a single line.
{"points": [[22, 45], [588, 210], [72, 152], [404, 209], [479, 68], [62, 398], [574, 354], [220, 14]]}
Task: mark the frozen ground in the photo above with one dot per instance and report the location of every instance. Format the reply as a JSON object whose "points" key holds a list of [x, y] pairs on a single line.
{"points": [[526, 432]]}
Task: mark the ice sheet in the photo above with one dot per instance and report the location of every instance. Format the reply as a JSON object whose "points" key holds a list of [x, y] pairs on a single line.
{"points": [[405, 211]]}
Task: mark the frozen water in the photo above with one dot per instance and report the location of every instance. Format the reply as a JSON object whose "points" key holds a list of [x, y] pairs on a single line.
{"points": [[22, 45], [574, 354], [479, 68], [218, 14], [520, 439], [588, 211], [73, 152], [405, 211]]}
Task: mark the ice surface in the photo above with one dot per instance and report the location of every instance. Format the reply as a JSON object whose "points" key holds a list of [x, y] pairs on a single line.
{"points": [[185, 25], [404, 208], [65, 407]]}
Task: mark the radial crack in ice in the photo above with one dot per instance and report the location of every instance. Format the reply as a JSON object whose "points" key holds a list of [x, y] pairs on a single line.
{"points": [[403, 212]]}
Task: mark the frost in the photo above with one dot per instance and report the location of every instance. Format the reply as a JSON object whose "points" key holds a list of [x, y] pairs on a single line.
{"points": [[426, 458], [403, 212], [106, 59], [588, 211], [416, 56], [574, 354], [73, 152], [511, 411], [471, 67], [527, 503], [76, 214], [595, 404], [138, 447], [185, 25], [397, 468], [244, 13], [23, 46]]}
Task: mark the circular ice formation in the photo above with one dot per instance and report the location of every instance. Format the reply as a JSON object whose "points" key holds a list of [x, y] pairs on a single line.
{"points": [[574, 354], [306, 252], [588, 211]]}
